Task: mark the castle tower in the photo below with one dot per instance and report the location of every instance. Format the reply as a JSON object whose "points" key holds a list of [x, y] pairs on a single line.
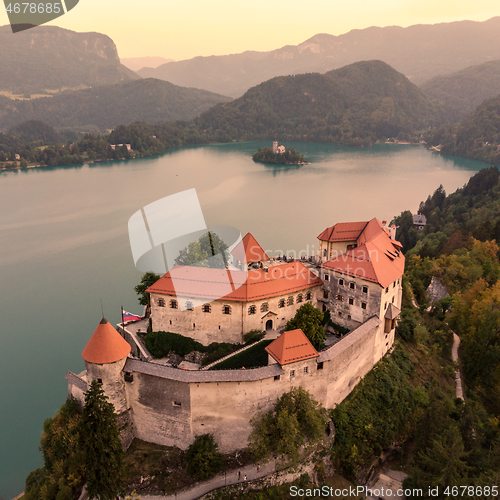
{"points": [[275, 147], [105, 356]]}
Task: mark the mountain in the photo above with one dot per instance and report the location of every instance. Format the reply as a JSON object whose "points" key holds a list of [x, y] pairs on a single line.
{"points": [[420, 52], [466, 89], [35, 131], [51, 58], [477, 136], [107, 106], [137, 63], [356, 105]]}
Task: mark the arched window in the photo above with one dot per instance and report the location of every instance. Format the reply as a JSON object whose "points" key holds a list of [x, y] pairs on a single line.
{"points": [[206, 308], [339, 297], [281, 303], [161, 302], [264, 307], [174, 304], [252, 310], [300, 298], [308, 296], [189, 305], [226, 309], [290, 301]]}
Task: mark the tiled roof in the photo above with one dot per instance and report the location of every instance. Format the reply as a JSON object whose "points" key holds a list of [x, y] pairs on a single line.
{"points": [[106, 345], [349, 340], [290, 347], [392, 312], [240, 286], [76, 380], [343, 231], [200, 376], [249, 250], [376, 257]]}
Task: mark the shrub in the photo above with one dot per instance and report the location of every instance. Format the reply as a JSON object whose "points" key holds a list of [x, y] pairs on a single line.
{"points": [[203, 457]]}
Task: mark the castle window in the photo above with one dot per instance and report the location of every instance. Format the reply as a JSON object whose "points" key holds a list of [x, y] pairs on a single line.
{"points": [[252, 310], [290, 301], [320, 365], [306, 369], [161, 302], [170, 321], [324, 254], [226, 309], [129, 377], [340, 314], [348, 316], [292, 373], [385, 306], [189, 305], [300, 298], [206, 308], [277, 377], [176, 403], [351, 302], [363, 305], [394, 285], [281, 303], [339, 297], [174, 304], [387, 290], [352, 285], [99, 380], [308, 296], [393, 300], [264, 307], [324, 308], [194, 325], [325, 294], [365, 289], [327, 277]]}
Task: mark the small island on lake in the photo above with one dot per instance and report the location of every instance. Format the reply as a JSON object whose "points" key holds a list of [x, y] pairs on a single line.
{"points": [[279, 155]]}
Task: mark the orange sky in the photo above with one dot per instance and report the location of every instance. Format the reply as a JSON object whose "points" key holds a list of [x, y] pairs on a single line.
{"points": [[181, 29]]}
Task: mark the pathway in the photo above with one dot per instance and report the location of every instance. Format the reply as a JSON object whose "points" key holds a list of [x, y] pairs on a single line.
{"points": [[220, 481], [454, 357]]}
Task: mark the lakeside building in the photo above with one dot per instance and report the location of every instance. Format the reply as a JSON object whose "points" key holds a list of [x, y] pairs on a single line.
{"points": [[360, 267]]}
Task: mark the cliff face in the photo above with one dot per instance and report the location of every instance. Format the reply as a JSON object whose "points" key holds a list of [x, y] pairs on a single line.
{"points": [[52, 58]]}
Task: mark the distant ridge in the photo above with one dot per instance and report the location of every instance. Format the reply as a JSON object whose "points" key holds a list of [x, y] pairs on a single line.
{"points": [[48, 57], [149, 100], [420, 52], [137, 63], [466, 89]]}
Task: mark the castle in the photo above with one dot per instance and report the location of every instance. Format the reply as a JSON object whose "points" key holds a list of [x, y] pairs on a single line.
{"points": [[356, 276]]}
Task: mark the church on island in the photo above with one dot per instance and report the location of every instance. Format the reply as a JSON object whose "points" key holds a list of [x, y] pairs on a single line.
{"points": [[356, 276]]}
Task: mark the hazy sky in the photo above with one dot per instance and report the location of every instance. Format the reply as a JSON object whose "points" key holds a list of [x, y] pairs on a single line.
{"points": [[181, 29]]}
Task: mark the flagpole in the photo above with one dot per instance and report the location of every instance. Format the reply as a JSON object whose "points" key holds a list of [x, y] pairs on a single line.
{"points": [[123, 324]]}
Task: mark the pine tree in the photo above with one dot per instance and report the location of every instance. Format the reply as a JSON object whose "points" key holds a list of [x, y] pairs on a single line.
{"points": [[102, 446]]}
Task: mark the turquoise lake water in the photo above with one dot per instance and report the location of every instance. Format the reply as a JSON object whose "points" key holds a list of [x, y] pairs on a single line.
{"points": [[64, 247]]}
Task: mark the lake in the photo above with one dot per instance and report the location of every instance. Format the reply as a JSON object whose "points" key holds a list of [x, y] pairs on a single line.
{"points": [[64, 246]]}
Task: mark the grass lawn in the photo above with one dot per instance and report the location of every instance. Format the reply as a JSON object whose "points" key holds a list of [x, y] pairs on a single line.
{"points": [[253, 357]]}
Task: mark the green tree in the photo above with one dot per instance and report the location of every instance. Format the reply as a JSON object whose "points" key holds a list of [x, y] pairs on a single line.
{"points": [[204, 459], [309, 320], [208, 251], [103, 452], [148, 279]]}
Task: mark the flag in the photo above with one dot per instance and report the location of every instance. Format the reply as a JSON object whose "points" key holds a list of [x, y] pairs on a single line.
{"points": [[130, 317]]}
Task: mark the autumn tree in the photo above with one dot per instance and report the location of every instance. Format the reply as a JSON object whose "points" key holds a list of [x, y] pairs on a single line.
{"points": [[148, 279]]}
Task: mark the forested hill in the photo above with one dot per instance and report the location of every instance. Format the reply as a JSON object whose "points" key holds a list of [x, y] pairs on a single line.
{"points": [[149, 100], [466, 89], [51, 58], [355, 105], [477, 136]]}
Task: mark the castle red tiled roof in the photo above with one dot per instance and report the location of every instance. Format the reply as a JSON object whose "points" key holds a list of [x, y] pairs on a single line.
{"points": [[376, 258], [343, 231], [106, 345], [291, 346], [240, 286], [249, 250]]}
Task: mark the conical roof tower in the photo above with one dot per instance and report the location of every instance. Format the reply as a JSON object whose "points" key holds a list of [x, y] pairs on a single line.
{"points": [[106, 345]]}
